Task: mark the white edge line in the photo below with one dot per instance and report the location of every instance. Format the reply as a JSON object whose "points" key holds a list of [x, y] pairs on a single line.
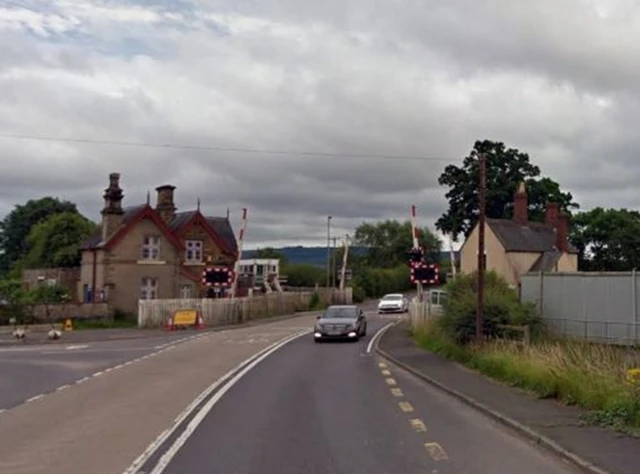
{"points": [[377, 335], [155, 445], [61, 388], [33, 399], [204, 411]]}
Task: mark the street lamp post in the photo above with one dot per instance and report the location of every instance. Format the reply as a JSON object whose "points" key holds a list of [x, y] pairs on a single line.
{"points": [[328, 251]]}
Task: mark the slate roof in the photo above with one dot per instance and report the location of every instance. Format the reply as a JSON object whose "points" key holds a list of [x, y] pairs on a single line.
{"points": [[220, 225], [95, 239], [546, 262], [534, 237]]}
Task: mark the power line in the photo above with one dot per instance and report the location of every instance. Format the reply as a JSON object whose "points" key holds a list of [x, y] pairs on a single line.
{"points": [[218, 148]]}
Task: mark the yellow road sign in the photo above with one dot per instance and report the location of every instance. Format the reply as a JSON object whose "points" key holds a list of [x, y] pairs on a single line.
{"points": [[185, 317]]}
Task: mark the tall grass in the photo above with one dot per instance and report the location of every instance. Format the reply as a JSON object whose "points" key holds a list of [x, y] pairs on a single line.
{"points": [[594, 377]]}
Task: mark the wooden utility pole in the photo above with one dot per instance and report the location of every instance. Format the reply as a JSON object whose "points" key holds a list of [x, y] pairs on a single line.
{"points": [[333, 263], [482, 207]]}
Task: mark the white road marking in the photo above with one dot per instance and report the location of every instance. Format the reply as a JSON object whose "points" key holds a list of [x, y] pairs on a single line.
{"points": [[76, 347], [226, 381], [376, 336], [33, 399], [61, 388], [82, 380]]}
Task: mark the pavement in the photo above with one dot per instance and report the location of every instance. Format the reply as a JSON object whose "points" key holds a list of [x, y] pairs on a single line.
{"points": [[560, 429], [258, 399]]}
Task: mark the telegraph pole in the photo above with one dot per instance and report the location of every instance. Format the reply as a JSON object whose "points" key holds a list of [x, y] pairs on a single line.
{"points": [[482, 207]]}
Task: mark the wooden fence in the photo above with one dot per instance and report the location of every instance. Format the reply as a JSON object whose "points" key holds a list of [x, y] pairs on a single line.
{"points": [[220, 312]]}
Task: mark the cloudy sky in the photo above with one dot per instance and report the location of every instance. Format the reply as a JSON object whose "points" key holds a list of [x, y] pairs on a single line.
{"points": [[559, 79]]}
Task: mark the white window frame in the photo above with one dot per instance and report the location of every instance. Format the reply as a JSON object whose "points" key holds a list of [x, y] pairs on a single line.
{"points": [[186, 292], [149, 288], [194, 251], [151, 247]]}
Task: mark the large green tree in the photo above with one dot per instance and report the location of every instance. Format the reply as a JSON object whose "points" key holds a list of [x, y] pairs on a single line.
{"points": [[16, 226], [506, 168], [388, 243], [55, 241], [607, 239]]}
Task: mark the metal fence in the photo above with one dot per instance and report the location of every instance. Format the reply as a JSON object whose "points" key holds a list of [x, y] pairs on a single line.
{"points": [[598, 307], [421, 312]]}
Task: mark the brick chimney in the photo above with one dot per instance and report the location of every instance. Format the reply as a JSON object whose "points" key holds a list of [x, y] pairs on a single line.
{"points": [[520, 205], [562, 232], [551, 214], [165, 204], [112, 212]]}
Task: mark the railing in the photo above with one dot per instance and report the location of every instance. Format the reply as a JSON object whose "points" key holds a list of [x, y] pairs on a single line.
{"points": [[421, 312]]}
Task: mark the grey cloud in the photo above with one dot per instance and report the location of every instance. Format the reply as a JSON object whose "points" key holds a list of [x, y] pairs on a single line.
{"points": [[424, 80]]}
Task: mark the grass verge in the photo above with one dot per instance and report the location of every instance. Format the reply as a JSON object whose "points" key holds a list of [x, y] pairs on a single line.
{"points": [[598, 378], [120, 323]]}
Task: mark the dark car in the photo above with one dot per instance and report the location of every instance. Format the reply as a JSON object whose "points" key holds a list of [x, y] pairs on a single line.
{"points": [[341, 322]]}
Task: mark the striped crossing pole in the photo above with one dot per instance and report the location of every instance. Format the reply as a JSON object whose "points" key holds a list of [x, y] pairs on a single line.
{"points": [[236, 269]]}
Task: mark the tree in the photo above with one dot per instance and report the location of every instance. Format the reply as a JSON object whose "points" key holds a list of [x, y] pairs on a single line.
{"points": [[55, 241], [389, 241], [506, 168], [607, 239], [271, 253], [303, 274], [15, 227]]}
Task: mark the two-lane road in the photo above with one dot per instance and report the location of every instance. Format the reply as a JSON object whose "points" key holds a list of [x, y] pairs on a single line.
{"points": [[334, 409]]}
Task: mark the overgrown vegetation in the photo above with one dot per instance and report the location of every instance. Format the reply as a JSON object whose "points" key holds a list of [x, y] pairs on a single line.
{"points": [[601, 379]]}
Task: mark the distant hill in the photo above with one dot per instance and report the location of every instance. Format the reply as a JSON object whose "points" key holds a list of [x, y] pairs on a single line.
{"points": [[318, 255]]}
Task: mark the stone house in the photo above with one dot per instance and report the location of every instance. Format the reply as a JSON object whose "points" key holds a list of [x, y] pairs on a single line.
{"points": [[145, 252], [517, 246]]}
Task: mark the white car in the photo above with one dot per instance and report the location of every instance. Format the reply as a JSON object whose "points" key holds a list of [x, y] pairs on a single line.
{"points": [[393, 303]]}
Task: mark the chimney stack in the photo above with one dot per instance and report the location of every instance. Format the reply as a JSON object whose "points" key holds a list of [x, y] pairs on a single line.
{"points": [[112, 212], [551, 214], [562, 232], [520, 205], [165, 204]]}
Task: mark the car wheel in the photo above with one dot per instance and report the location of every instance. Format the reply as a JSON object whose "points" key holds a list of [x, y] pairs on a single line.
{"points": [[364, 331]]}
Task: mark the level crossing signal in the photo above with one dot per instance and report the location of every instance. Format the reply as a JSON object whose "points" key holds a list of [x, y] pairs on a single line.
{"points": [[217, 276]]}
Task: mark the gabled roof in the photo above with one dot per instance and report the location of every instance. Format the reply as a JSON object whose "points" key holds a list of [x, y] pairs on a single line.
{"points": [[218, 228], [533, 237], [546, 262], [95, 239], [132, 216]]}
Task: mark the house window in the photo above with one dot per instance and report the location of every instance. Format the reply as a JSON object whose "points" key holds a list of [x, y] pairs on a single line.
{"points": [[186, 292], [149, 289], [194, 251], [151, 248]]}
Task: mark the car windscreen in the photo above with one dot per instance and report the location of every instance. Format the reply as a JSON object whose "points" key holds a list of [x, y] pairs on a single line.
{"points": [[335, 313], [392, 298]]}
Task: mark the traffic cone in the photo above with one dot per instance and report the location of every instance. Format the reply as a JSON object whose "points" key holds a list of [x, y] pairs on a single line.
{"points": [[200, 323], [169, 324]]}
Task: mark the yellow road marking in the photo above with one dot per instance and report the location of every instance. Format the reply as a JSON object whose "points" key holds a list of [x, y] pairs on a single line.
{"points": [[386, 372], [436, 452], [418, 425], [391, 382], [382, 365], [397, 392], [405, 407]]}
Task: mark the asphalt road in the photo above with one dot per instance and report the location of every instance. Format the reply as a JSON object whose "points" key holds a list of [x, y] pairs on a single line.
{"points": [[334, 409], [34, 370]]}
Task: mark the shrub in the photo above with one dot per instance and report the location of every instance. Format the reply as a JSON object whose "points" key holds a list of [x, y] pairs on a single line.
{"points": [[592, 376], [359, 294], [380, 281], [502, 307]]}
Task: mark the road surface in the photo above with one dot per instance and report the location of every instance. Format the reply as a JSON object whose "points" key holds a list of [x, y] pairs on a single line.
{"points": [[253, 400], [334, 409], [34, 370]]}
